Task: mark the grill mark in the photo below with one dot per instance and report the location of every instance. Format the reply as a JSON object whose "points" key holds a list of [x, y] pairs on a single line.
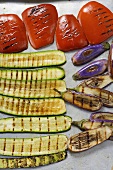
{"points": [[101, 13], [18, 105], [31, 124], [57, 143], [56, 124], [107, 32], [16, 74], [22, 148], [88, 140], [49, 144], [4, 148], [34, 10], [40, 145], [13, 147], [22, 124], [97, 137], [65, 122], [11, 39], [48, 124], [13, 44], [31, 146], [39, 125], [15, 84], [13, 124], [12, 107]]}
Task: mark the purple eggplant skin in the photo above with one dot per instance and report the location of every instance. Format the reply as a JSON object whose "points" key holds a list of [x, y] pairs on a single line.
{"points": [[101, 117], [93, 69], [89, 53]]}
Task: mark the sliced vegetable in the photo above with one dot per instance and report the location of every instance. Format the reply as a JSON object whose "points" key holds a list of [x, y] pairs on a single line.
{"points": [[40, 22], [69, 34], [110, 61], [32, 60], [86, 124], [32, 107], [81, 100], [97, 81], [93, 69], [33, 146], [88, 139], [96, 21], [89, 53], [50, 73], [104, 95], [52, 124], [31, 89], [12, 34], [102, 117], [31, 162]]}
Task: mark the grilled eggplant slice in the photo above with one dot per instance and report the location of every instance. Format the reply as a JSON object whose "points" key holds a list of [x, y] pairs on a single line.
{"points": [[33, 146], [81, 100], [88, 139], [49, 73], [32, 60], [97, 81], [31, 89], [33, 161], [52, 124], [32, 107], [105, 95]]}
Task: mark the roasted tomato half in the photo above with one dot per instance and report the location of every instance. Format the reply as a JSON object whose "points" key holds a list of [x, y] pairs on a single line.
{"points": [[40, 22], [96, 21], [69, 34], [12, 34]]}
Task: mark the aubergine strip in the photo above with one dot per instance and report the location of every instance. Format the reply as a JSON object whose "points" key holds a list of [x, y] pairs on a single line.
{"points": [[33, 161], [32, 107], [86, 140], [104, 95], [32, 60], [87, 124], [97, 81], [49, 73], [52, 124], [102, 117], [31, 89], [81, 100], [33, 146]]}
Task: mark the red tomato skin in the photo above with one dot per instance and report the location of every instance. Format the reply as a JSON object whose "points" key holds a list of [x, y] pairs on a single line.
{"points": [[96, 21], [12, 34], [40, 22], [69, 34]]}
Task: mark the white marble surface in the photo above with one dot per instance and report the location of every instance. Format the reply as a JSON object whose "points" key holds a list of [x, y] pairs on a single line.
{"points": [[99, 157]]}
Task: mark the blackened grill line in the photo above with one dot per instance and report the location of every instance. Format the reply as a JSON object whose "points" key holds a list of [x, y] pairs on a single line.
{"points": [[13, 44], [13, 146]]}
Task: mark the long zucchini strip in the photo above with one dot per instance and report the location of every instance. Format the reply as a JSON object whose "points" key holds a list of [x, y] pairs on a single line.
{"points": [[48, 73], [33, 161], [33, 146], [31, 89], [36, 124], [32, 107], [32, 60]]}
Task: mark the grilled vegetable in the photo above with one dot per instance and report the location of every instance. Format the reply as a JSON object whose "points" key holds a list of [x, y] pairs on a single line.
{"points": [[31, 89], [86, 124], [93, 69], [32, 107], [31, 162], [89, 53], [33, 146], [40, 22], [96, 21], [102, 117], [36, 124], [110, 61], [50, 73], [86, 140], [81, 100], [12, 34], [69, 33], [105, 95], [97, 82], [32, 60]]}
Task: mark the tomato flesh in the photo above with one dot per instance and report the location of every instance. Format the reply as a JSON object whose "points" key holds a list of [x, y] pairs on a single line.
{"points": [[40, 22], [12, 34], [96, 21], [69, 34]]}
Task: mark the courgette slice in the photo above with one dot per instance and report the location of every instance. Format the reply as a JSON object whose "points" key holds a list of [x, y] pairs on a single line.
{"points": [[32, 60], [31, 89], [36, 124], [48, 73], [32, 107], [33, 146], [33, 161]]}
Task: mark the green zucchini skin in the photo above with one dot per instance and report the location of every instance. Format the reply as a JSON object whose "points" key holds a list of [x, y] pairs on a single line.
{"points": [[54, 124], [32, 107], [33, 161], [33, 146], [48, 73], [32, 60], [31, 89]]}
